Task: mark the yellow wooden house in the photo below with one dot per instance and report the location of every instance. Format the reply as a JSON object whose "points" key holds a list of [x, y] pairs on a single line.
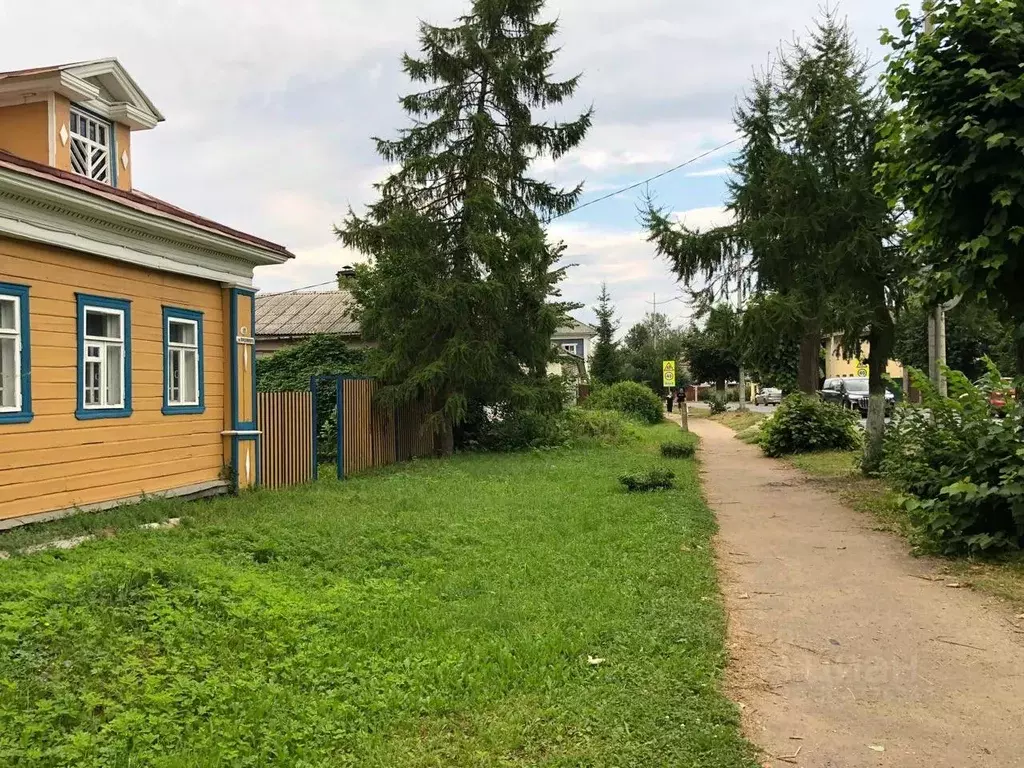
{"points": [[126, 323]]}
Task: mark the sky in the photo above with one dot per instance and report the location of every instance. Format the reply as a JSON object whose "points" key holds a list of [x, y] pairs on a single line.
{"points": [[271, 106]]}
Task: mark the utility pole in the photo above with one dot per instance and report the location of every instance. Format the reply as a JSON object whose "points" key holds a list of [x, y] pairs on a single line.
{"points": [[937, 319], [739, 308]]}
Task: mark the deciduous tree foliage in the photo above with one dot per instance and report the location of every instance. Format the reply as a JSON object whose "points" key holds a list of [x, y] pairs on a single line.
{"points": [[650, 343], [954, 149], [461, 294], [713, 352]]}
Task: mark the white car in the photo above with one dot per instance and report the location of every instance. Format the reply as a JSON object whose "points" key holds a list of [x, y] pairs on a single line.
{"points": [[768, 396]]}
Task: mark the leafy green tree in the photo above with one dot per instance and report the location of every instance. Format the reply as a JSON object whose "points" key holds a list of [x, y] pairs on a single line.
{"points": [[973, 332], [606, 363], [954, 148], [770, 344], [650, 343], [461, 294], [713, 351]]}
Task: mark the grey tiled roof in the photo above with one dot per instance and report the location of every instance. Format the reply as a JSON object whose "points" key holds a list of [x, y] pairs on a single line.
{"points": [[308, 312], [305, 313]]}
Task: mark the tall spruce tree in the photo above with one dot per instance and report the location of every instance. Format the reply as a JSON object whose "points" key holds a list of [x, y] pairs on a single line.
{"points": [[606, 364], [822, 242], [461, 292]]}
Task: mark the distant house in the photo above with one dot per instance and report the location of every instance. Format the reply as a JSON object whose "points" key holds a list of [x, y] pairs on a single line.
{"points": [[837, 366], [285, 319], [125, 322]]}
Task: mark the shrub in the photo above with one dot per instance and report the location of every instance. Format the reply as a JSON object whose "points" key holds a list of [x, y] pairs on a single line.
{"points": [[634, 400], [679, 449], [649, 480], [803, 423], [606, 427], [717, 403], [961, 469]]}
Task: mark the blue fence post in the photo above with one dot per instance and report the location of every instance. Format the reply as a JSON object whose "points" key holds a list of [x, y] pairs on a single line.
{"points": [[316, 442], [339, 383]]}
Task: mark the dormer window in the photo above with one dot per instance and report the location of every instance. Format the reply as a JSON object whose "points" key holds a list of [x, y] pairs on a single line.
{"points": [[90, 146]]}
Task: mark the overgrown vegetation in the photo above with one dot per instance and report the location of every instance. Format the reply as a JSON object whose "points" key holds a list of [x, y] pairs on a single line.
{"points": [[802, 424], [717, 403], [680, 447], [654, 479], [962, 468], [290, 369], [627, 397], [490, 610]]}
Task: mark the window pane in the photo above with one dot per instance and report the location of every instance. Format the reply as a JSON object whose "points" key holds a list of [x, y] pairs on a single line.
{"points": [[113, 375], [92, 383], [8, 373], [182, 333], [74, 123], [8, 315], [102, 325], [174, 377], [189, 378], [102, 135]]}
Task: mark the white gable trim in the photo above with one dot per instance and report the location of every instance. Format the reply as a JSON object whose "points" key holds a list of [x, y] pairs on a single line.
{"points": [[33, 210]]}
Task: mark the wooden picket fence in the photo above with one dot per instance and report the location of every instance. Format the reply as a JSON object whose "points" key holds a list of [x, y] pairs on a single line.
{"points": [[371, 435], [286, 445], [375, 436]]}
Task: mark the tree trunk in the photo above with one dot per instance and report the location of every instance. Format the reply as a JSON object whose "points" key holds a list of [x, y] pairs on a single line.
{"points": [[810, 356], [880, 339], [1019, 345], [720, 385]]}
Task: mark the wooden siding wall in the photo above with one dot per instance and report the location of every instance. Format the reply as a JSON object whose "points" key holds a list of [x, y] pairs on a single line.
{"points": [[25, 131], [56, 461], [286, 445]]}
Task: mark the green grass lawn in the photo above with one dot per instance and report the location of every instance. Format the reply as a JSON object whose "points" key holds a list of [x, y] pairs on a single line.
{"points": [[434, 614]]}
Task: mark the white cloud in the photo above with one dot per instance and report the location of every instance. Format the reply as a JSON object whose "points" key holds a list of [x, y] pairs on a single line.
{"points": [[703, 219], [710, 172]]}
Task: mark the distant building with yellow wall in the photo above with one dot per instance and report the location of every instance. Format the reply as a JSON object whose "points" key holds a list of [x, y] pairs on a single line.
{"points": [[838, 367]]}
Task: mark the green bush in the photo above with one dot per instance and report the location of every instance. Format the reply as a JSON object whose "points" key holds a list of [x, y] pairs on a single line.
{"points": [[680, 448], [627, 397], [649, 480], [961, 468], [605, 427], [717, 403], [803, 423]]}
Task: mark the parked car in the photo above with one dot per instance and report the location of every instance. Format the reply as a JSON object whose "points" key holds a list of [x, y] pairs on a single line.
{"points": [[768, 396], [852, 393]]}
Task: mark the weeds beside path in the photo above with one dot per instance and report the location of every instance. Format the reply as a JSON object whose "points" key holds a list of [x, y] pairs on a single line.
{"points": [[492, 610]]}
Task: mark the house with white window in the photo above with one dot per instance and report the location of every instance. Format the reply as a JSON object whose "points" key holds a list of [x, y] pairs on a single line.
{"points": [[126, 322]]}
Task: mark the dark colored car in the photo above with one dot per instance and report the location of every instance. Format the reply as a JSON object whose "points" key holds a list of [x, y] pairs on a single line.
{"points": [[852, 393]]}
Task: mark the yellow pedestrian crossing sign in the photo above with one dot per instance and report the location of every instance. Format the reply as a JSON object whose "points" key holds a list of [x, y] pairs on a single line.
{"points": [[668, 369]]}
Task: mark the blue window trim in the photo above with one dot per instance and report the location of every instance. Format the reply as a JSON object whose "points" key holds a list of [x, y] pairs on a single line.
{"points": [[177, 313], [236, 423], [103, 302], [23, 416]]}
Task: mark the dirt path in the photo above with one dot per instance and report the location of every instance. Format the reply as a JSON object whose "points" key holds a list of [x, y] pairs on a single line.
{"points": [[840, 649]]}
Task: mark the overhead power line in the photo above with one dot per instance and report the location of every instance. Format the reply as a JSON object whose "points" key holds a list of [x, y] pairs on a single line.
{"points": [[648, 180]]}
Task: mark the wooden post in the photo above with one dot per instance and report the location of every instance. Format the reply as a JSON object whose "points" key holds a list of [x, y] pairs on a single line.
{"points": [[684, 416]]}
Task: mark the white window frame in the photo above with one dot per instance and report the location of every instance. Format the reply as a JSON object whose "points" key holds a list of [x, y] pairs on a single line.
{"points": [[103, 342], [6, 333], [96, 155], [181, 349], [571, 348]]}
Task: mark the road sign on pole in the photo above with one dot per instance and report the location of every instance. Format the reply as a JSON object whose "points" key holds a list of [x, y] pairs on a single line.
{"points": [[668, 370]]}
